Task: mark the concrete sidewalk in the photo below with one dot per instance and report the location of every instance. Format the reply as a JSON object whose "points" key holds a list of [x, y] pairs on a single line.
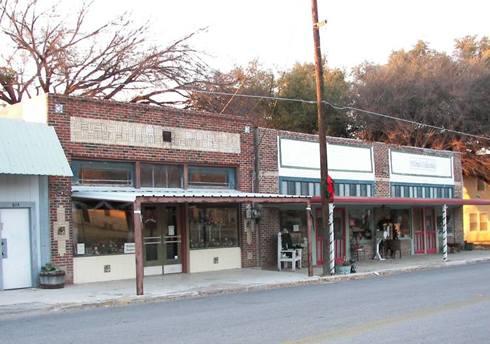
{"points": [[15, 302]]}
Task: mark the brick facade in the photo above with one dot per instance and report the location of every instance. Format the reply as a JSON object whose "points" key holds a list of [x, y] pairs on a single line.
{"points": [[60, 188], [268, 181], [257, 240]]}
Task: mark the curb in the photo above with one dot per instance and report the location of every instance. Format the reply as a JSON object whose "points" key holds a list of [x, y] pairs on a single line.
{"points": [[147, 299]]}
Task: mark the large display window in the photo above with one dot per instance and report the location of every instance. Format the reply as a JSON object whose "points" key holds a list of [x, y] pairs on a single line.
{"points": [[102, 173], [213, 227], [161, 176], [102, 229]]}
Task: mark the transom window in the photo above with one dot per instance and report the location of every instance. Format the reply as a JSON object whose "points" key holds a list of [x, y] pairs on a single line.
{"points": [[102, 173], [161, 176], [421, 191], [312, 188], [212, 177]]}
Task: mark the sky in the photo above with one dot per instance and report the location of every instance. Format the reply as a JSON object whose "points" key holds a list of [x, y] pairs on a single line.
{"points": [[278, 32]]}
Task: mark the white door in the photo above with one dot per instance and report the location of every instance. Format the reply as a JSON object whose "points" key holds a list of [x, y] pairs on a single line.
{"points": [[16, 261]]}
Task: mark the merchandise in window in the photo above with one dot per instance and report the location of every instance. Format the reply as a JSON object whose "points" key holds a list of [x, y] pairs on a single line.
{"points": [[213, 227], [102, 173], [161, 176], [401, 222], [102, 231], [360, 224], [212, 177]]}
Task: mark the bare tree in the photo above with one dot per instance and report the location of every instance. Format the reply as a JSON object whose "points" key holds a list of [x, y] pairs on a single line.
{"points": [[111, 61]]}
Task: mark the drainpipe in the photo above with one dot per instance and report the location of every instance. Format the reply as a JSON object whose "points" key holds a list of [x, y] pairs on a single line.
{"points": [[255, 187]]}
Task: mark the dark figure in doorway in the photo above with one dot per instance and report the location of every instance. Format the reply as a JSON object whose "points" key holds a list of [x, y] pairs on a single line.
{"points": [[286, 241]]}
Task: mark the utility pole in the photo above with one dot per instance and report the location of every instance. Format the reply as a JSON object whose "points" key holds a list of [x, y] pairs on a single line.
{"points": [[327, 264]]}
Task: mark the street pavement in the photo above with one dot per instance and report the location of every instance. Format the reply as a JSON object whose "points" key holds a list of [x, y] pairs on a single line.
{"points": [[445, 305]]}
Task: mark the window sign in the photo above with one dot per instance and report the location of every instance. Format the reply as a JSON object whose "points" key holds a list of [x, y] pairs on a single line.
{"points": [[129, 247], [81, 249]]}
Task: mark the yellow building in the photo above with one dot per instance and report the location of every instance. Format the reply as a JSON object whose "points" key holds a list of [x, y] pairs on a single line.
{"points": [[476, 217]]}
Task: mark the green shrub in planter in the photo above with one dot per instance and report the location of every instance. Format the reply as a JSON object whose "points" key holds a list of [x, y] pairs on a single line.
{"points": [[51, 277]]}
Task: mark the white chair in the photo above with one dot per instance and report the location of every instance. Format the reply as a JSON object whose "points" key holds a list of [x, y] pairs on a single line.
{"points": [[290, 255]]}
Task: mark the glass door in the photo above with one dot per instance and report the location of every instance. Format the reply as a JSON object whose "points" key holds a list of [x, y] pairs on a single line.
{"points": [[161, 239], [152, 236], [172, 241]]}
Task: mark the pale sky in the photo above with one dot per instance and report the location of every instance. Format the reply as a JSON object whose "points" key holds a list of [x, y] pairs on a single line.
{"points": [[278, 32]]}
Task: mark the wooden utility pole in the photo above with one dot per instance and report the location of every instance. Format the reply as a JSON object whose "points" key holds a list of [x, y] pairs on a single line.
{"points": [[322, 140]]}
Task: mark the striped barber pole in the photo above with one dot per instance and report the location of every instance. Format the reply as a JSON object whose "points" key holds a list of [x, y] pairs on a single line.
{"points": [[331, 239], [444, 232]]}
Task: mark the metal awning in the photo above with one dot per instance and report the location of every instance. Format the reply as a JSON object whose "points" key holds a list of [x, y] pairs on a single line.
{"points": [[125, 194], [405, 201], [31, 149]]}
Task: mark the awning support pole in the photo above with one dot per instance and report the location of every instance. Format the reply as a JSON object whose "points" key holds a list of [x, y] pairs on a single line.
{"points": [[309, 233], [444, 232], [138, 243], [331, 239]]}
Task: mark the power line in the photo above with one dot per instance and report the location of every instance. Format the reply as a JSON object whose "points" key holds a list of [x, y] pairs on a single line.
{"points": [[343, 108]]}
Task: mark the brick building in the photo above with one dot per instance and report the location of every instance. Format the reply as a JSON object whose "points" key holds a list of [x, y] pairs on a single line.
{"points": [[182, 191], [179, 180], [401, 189]]}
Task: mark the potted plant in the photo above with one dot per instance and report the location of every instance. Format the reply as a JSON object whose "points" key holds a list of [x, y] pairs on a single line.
{"points": [[51, 277], [342, 266]]}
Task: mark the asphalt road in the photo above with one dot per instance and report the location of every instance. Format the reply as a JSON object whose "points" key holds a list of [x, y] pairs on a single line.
{"points": [[450, 305]]}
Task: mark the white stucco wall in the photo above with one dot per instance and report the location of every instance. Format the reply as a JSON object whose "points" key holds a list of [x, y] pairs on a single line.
{"points": [[203, 260], [91, 269]]}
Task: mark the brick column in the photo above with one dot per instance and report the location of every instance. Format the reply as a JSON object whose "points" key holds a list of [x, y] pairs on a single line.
{"points": [[61, 225], [381, 170]]}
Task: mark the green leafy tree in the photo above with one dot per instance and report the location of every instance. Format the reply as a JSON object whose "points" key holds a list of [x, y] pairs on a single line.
{"points": [[299, 83]]}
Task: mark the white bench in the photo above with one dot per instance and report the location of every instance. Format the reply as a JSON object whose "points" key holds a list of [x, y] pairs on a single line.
{"points": [[290, 255]]}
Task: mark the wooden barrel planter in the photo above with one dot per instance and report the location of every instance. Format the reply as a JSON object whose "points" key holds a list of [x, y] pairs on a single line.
{"points": [[52, 279]]}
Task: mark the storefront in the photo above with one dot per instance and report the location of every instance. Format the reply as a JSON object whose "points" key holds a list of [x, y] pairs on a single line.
{"points": [[181, 231], [414, 226]]}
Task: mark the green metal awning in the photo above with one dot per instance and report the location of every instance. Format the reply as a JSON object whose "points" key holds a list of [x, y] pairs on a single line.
{"points": [[31, 149]]}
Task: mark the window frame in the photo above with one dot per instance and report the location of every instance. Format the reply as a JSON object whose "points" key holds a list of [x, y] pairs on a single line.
{"points": [[78, 165], [231, 176], [485, 215], [153, 165]]}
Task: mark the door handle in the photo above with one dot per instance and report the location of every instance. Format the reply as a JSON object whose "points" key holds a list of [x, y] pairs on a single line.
{"points": [[3, 248]]}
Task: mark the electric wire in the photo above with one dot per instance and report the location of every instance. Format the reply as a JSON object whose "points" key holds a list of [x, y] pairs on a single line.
{"points": [[343, 108]]}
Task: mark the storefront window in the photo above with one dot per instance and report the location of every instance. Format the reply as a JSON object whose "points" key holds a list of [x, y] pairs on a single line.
{"points": [[212, 177], [360, 224], [213, 227], [401, 222], [102, 230], [161, 176], [102, 173]]}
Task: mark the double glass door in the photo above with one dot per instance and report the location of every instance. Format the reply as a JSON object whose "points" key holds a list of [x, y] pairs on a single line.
{"points": [[162, 238]]}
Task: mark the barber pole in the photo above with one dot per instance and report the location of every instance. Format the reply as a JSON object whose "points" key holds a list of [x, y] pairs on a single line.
{"points": [[331, 240], [444, 232]]}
